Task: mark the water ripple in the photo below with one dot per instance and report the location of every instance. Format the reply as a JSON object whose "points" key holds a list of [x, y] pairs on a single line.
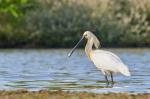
{"points": [[53, 70]]}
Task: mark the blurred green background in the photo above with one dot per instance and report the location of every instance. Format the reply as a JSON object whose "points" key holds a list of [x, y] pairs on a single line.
{"points": [[60, 23]]}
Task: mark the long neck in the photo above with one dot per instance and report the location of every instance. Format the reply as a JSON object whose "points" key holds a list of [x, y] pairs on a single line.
{"points": [[88, 47]]}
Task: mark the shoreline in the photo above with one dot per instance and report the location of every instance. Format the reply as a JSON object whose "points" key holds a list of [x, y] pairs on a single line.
{"points": [[46, 94]]}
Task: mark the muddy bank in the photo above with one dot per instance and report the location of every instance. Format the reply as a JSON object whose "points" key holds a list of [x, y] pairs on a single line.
{"points": [[23, 94]]}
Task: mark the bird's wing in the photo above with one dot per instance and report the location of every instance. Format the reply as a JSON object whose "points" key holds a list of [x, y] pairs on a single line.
{"points": [[110, 53], [106, 60]]}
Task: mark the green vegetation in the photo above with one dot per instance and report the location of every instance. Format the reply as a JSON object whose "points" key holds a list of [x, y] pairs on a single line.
{"points": [[43, 94], [60, 23]]}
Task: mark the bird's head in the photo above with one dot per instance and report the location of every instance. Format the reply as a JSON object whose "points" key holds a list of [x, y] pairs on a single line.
{"points": [[88, 35]]}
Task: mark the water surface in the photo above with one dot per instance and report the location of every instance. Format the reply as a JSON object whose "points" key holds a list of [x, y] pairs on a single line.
{"points": [[53, 70]]}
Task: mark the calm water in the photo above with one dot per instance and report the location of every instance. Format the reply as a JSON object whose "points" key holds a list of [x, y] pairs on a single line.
{"points": [[53, 70]]}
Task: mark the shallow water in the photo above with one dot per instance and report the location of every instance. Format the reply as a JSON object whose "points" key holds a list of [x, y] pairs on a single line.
{"points": [[53, 70]]}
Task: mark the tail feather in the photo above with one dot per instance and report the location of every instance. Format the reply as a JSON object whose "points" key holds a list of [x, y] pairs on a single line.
{"points": [[124, 70]]}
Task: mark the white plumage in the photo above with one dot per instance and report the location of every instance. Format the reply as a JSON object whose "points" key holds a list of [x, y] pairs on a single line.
{"points": [[106, 61]]}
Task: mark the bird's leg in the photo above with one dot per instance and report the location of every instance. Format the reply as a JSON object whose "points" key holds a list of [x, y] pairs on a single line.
{"points": [[106, 79], [111, 74]]}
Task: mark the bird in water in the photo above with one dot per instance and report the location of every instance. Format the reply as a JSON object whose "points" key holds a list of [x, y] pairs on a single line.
{"points": [[106, 61]]}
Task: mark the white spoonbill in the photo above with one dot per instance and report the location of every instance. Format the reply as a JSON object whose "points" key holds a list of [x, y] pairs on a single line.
{"points": [[106, 61]]}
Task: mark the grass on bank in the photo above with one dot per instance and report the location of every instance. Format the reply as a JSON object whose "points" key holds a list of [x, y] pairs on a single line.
{"points": [[22, 94]]}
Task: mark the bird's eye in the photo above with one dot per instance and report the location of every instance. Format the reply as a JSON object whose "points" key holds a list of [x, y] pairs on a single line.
{"points": [[86, 35]]}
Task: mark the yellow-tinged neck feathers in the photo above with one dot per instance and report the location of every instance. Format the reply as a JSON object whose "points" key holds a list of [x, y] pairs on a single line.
{"points": [[91, 40], [88, 47]]}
